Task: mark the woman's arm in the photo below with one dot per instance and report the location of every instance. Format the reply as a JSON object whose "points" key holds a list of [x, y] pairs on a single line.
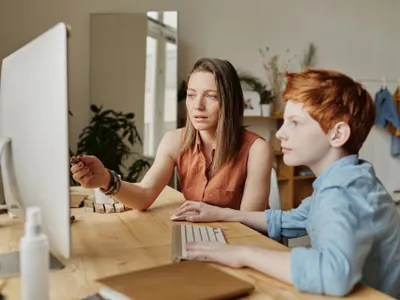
{"points": [[257, 185], [142, 195]]}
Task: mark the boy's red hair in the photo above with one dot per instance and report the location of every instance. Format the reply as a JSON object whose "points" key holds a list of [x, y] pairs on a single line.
{"points": [[331, 97]]}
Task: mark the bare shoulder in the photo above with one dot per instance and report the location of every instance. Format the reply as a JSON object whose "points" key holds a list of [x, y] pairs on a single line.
{"points": [[260, 151], [170, 142], [172, 136], [260, 147]]}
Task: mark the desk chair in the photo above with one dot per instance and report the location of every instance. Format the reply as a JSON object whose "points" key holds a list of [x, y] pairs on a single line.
{"points": [[275, 203], [274, 197]]}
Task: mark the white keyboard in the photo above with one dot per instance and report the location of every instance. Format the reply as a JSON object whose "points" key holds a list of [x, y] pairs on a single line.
{"points": [[183, 234]]}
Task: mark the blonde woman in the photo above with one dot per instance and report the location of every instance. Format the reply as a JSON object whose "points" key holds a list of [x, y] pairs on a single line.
{"points": [[218, 161]]}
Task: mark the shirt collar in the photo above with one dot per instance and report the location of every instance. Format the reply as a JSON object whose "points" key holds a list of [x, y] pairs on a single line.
{"points": [[199, 144], [344, 161]]}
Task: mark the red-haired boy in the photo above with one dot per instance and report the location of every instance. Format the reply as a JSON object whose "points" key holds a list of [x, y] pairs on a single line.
{"points": [[351, 220]]}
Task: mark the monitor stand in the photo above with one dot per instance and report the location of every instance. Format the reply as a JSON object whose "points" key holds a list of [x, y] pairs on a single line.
{"points": [[9, 264]]}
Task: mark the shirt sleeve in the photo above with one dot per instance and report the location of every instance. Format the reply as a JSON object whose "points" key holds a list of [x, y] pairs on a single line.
{"points": [[288, 223], [344, 237]]}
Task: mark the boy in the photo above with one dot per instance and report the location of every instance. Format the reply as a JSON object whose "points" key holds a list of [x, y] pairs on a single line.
{"points": [[351, 220]]}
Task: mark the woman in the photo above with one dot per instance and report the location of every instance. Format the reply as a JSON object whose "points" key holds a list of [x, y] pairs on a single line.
{"points": [[218, 161]]}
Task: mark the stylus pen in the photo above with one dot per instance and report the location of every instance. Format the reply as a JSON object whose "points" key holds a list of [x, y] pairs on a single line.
{"points": [[74, 160]]}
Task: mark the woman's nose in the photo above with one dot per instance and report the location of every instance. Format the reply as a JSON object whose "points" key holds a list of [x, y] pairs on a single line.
{"points": [[198, 104]]}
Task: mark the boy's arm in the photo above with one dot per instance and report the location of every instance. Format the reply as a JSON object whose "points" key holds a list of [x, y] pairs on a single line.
{"points": [[290, 223], [270, 262], [273, 263], [344, 237], [276, 222]]}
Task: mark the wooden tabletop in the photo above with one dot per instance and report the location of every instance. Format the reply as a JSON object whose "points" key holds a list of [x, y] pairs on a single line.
{"points": [[110, 244]]}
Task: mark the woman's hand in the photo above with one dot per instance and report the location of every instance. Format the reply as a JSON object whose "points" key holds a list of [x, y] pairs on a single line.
{"points": [[90, 172], [206, 212], [229, 255]]}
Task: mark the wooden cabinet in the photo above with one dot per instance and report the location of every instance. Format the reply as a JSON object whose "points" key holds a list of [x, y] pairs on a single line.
{"points": [[293, 188], [295, 183]]}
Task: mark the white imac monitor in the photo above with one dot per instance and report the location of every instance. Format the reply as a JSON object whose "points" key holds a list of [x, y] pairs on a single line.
{"points": [[34, 134]]}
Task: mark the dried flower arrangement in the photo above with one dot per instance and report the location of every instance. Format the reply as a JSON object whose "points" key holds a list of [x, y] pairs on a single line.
{"points": [[309, 57], [276, 72], [275, 75]]}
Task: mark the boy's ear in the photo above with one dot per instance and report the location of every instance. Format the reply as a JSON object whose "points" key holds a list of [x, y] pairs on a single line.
{"points": [[340, 134]]}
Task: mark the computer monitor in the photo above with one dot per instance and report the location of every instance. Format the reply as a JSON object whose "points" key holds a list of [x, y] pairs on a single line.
{"points": [[34, 134]]}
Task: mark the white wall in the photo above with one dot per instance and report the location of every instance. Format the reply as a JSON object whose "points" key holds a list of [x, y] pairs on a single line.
{"points": [[358, 37], [22, 20], [118, 64]]}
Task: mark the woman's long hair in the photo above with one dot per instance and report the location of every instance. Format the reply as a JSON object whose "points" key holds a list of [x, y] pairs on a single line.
{"points": [[229, 133]]}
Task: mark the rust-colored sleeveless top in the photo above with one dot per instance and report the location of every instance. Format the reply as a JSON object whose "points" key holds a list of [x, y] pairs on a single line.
{"points": [[226, 185]]}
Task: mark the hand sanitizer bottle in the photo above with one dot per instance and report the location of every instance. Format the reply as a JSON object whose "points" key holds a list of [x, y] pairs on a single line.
{"points": [[34, 258]]}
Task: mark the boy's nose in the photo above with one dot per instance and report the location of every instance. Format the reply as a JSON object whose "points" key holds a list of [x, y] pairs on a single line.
{"points": [[280, 135]]}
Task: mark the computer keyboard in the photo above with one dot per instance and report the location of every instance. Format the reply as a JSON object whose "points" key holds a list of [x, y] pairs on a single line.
{"points": [[183, 234]]}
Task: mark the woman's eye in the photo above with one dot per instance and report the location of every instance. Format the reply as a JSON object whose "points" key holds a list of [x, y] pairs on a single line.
{"points": [[211, 96], [294, 123], [191, 95]]}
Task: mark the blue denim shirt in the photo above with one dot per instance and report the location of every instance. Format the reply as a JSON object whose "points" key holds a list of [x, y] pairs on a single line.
{"points": [[354, 228], [386, 109]]}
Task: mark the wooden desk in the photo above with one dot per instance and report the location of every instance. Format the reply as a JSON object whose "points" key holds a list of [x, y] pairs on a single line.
{"points": [[109, 244]]}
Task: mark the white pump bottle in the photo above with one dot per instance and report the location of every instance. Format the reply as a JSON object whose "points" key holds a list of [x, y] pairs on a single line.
{"points": [[34, 258]]}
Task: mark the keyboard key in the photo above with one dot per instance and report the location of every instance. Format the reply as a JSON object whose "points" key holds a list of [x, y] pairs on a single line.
{"points": [[211, 234], [204, 234], [219, 235], [183, 237], [189, 233], [197, 235]]}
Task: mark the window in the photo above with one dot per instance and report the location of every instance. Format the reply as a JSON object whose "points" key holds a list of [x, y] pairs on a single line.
{"points": [[161, 79], [170, 92], [171, 19], [149, 98], [153, 14]]}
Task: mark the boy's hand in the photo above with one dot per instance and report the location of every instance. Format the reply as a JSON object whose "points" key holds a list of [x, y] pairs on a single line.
{"points": [[207, 212], [229, 255]]}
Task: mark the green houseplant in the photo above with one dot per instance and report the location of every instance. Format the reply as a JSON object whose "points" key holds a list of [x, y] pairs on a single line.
{"points": [[110, 137]]}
